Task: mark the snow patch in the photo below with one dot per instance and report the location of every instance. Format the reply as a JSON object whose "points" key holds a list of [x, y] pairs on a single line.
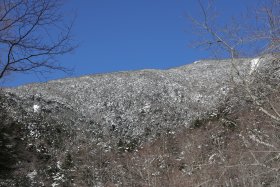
{"points": [[146, 107], [58, 178], [58, 164], [224, 90], [36, 108], [197, 97], [32, 175], [254, 65]]}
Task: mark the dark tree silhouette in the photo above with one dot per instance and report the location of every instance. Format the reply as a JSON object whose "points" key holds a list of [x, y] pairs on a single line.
{"points": [[32, 34]]}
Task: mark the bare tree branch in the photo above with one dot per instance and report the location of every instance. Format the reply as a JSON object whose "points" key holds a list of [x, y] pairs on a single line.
{"points": [[30, 35], [224, 38]]}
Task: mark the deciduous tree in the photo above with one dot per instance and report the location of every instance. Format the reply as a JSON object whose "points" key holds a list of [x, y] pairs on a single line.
{"points": [[32, 34]]}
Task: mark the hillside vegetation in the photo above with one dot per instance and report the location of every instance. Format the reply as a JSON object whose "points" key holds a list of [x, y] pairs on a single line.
{"points": [[210, 123]]}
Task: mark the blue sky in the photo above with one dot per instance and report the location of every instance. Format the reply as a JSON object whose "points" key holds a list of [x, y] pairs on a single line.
{"points": [[121, 35]]}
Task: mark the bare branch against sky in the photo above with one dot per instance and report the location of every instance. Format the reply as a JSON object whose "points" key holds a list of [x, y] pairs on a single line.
{"points": [[32, 34]]}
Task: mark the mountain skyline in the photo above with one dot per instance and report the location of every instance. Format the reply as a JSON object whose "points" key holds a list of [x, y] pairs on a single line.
{"points": [[125, 35]]}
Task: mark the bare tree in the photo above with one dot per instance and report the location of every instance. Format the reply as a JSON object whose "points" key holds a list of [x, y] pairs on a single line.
{"points": [[32, 34], [256, 32], [260, 31]]}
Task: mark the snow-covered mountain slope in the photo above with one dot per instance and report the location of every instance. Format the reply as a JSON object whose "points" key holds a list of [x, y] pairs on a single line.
{"points": [[51, 129], [142, 99]]}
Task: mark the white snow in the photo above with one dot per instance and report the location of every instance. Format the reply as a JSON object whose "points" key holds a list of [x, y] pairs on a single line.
{"points": [[258, 140], [57, 179], [211, 158], [58, 164], [224, 89], [32, 175], [254, 65], [36, 108], [197, 97], [146, 107]]}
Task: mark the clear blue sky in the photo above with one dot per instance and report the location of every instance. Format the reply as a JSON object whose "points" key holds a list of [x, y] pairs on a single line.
{"points": [[120, 35]]}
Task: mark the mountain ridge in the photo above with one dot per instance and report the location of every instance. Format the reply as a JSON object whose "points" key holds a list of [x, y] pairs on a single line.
{"points": [[65, 122]]}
